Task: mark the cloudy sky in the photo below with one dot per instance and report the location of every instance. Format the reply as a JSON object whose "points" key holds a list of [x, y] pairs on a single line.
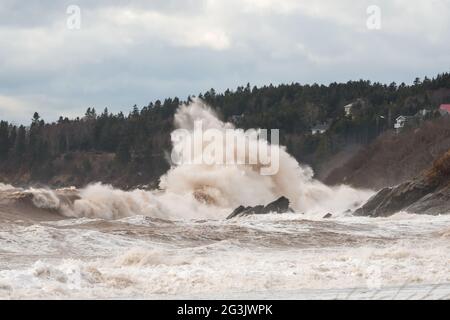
{"points": [[136, 51]]}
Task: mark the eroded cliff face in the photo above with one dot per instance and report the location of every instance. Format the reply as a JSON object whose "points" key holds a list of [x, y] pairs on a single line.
{"points": [[429, 193]]}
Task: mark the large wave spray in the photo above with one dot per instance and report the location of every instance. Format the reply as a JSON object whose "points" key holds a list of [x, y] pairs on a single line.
{"points": [[209, 190]]}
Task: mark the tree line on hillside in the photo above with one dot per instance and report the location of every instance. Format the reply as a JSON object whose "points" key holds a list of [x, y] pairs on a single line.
{"points": [[140, 140]]}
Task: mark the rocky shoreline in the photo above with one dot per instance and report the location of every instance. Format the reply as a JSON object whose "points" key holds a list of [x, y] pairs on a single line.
{"points": [[429, 193]]}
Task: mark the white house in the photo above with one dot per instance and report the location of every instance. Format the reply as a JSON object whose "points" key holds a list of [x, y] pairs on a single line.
{"points": [[348, 109], [319, 129], [402, 121]]}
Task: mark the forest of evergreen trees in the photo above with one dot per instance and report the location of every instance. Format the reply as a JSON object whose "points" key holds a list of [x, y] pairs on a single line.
{"points": [[139, 141]]}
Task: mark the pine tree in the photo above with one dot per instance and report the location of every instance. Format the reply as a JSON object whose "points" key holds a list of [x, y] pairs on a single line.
{"points": [[20, 144], [4, 139]]}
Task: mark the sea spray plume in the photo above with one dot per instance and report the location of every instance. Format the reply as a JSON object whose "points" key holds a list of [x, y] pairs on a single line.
{"points": [[208, 190], [201, 138], [242, 184], [187, 114], [235, 180]]}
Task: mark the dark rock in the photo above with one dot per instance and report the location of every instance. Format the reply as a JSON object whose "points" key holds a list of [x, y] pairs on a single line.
{"points": [[417, 196], [237, 211], [281, 205], [327, 216], [255, 210], [428, 193], [434, 203]]}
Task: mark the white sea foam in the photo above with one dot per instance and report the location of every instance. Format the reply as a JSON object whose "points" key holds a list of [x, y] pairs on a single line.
{"points": [[5, 187], [140, 273], [86, 261]]}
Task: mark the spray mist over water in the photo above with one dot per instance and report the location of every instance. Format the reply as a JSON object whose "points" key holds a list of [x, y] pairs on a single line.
{"points": [[210, 190]]}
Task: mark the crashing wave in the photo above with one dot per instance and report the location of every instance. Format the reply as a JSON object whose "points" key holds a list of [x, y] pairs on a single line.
{"points": [[203, 190]]}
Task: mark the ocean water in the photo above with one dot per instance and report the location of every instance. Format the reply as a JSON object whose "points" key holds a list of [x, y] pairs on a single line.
{"points": [[175, 242], [274, 256]]}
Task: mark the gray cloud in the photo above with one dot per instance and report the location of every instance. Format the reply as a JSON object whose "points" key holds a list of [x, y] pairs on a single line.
{"points": [[129, 52]]}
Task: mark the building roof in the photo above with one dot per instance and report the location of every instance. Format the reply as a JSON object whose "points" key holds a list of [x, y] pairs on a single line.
{"points": [[321, 127], [445, 107], [404, 117]]}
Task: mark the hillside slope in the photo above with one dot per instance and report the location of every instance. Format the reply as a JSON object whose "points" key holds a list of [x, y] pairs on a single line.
{"points": [[394, 158]]}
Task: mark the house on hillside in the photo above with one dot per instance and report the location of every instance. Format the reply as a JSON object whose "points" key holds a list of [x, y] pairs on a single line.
{"points": [[444, 109], [403, 121], [353, 106], [320, 128], [348, 110]]}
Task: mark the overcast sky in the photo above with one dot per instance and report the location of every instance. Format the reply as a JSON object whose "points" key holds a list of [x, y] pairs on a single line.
{"points": [[136, 51]]}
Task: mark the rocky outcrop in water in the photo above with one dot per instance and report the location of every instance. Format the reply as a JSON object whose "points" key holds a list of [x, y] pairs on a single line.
{"points": [[429, 193], [281, 205]]}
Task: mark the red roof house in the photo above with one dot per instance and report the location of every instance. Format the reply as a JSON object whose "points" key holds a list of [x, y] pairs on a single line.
{"points": [[444, 109]]}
